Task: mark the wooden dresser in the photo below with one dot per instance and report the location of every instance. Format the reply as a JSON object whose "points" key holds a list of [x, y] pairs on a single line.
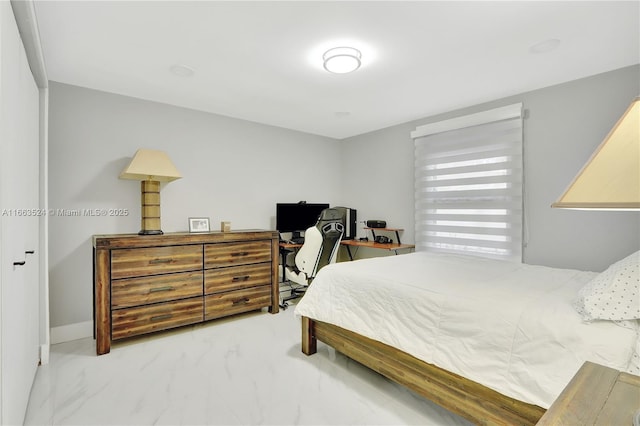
{"points": [[147, 283]]}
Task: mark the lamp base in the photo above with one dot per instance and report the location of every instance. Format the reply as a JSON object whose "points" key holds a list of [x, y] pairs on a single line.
{"points": [[150, 232], [150, 191]]}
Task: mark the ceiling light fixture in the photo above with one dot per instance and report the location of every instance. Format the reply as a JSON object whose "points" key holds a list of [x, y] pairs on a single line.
{"points": [[341, 60]]}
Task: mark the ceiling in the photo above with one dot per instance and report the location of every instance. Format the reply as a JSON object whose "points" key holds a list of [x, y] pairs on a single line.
{"points": [[262, 61]]}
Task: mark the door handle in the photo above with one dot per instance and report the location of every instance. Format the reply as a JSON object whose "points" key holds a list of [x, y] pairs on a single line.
{"points": [[24, 262]]}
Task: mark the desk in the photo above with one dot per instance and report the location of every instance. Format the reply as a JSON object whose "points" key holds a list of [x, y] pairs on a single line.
{"points": [[372, 244], [395, 230], [288, 247]]}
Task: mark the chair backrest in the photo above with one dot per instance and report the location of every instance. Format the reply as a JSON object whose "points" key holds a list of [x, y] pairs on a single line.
{"points": [[321, 243]]}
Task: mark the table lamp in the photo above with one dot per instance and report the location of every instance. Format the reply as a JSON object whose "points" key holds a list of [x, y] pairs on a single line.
{"points": [[611, 178], [150, 167]]}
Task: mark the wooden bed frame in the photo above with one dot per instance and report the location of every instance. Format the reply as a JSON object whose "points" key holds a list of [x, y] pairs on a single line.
{"points": [[469, 399]]}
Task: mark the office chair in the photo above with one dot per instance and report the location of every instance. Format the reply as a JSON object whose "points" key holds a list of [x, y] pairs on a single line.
{"points": [[320, 248]]}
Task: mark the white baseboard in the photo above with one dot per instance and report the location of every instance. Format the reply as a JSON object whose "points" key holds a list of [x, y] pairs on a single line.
{"points": [[67, 333], [44, 354]]}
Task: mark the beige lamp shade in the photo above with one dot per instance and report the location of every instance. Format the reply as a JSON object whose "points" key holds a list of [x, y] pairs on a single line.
{"points": [[149, 164], [611, 178]]}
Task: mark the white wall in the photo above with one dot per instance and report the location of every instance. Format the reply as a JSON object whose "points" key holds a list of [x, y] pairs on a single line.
{"points": [[563, 126], [233, 170]]}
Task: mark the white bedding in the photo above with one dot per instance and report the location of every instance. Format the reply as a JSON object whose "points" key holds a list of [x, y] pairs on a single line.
{"points": [[508, 326]]}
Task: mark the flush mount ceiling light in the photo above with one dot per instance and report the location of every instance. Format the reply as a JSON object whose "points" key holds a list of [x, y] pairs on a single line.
{"points": [[341, 60]]}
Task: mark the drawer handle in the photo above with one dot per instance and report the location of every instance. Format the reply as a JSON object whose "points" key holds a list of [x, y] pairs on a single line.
{"points": [[243, 278], [158, 289], [240, 301], [161, 317], [29, 252], [22, 263], [240, 253], [157, 261]]}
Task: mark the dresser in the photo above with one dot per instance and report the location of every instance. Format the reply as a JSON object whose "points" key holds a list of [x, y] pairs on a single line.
{"points": [[148, 283]]}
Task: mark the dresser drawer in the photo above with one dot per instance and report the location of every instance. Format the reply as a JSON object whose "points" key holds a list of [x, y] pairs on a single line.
{"points": [[236, 277], [145, 319], [130, 292], [240, 253], [138, 262], [234, 302]]}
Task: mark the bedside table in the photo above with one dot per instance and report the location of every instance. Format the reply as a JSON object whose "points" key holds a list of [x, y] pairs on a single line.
{"points": [[596, 395]]}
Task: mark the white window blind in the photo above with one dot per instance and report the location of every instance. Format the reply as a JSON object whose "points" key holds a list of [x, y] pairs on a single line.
{"points": [[468, 184]]}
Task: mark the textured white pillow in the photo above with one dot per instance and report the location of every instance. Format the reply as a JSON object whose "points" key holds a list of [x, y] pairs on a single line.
{"points": [[614, 294]]}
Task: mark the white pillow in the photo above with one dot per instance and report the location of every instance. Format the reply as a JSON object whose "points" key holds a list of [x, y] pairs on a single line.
{"points": [[614, 294]]}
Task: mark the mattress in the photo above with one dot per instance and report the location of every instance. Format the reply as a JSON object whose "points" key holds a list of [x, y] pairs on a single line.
{"points": [[508, 326]]}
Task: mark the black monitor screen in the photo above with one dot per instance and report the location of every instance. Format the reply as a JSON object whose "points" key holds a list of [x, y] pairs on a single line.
{"points": [[293, 217]]}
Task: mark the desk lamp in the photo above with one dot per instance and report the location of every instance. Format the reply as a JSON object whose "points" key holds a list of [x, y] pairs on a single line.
{"points": [[150, 167], [611, 178]]}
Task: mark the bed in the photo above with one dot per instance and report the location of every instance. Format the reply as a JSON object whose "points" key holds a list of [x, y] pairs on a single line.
{"points": [[493, 341]]}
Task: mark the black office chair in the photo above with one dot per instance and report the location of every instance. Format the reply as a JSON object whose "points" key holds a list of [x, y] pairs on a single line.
{"points": [[320, 248]]}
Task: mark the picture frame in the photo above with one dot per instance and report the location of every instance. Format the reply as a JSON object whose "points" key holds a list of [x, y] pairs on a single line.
{"points": [[199, 224]]}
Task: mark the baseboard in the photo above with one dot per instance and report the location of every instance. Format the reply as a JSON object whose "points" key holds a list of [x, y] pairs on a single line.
{"points": [[44, 354], [67, 333]]}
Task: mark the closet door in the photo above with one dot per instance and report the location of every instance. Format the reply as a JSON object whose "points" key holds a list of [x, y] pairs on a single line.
{"points": [[19, 233]]}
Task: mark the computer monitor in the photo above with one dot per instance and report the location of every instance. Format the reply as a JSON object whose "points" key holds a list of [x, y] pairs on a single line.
{"points": [[296, 217]]}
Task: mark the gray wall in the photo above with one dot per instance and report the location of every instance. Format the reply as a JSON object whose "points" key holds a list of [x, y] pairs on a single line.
{"points": [[237, 170], [563, 126], [232, 170]]}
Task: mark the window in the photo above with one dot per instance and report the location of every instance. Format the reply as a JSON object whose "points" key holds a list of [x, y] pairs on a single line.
{"points": [[468, 184]]}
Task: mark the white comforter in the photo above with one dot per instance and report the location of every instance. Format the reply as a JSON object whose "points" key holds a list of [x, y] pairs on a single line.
{"points": [[508, 326]]}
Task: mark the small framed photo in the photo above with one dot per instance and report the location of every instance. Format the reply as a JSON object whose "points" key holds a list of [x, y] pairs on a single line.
{"points": [[199, 224]]}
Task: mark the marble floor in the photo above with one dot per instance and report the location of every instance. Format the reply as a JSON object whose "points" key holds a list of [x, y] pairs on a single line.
{"points": [[246, 370]]}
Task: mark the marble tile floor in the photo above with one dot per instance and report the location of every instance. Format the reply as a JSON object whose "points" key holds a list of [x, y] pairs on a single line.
{"points": [[245, 370]]}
